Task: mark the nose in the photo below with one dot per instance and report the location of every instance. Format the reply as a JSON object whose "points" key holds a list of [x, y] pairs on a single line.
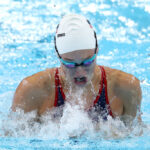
{"points": [[80, 71]]}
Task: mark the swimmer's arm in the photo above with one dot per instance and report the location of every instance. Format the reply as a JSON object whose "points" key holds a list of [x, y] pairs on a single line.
{"points": [[31, 93], [128, 90]]}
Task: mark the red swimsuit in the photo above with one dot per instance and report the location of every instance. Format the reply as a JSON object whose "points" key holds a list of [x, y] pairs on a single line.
{"points": [[100, 108]]}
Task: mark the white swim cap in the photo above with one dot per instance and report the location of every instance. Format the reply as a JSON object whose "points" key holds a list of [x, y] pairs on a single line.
{"points": [[74, 33]]}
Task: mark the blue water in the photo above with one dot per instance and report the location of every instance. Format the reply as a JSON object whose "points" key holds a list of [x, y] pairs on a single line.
{"points": [[26, 47]]}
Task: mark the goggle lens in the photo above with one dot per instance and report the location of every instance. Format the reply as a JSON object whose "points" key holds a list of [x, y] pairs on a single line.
{"points": [[69, 65], [84, 63]]}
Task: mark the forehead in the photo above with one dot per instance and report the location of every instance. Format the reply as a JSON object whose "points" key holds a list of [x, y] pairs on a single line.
{"points": [[78, 54]]}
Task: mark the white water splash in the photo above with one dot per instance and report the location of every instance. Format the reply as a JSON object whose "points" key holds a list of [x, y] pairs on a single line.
{"points": [[73, 123]]}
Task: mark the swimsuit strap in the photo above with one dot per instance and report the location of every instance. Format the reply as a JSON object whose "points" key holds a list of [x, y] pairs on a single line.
{"points": [[105, 88], [101, 87], [59, 94]]}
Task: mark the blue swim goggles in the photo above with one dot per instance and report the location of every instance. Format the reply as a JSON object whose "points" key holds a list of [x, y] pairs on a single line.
{"points": [[85, 63]]}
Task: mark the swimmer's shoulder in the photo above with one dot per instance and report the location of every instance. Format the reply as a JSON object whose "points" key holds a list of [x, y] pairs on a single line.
{"points": [[35, 90], [125, 88], [120, 78], [41, 78]]}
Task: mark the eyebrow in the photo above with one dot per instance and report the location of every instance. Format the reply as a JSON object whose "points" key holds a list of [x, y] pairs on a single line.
{"points": [[68, 59]]}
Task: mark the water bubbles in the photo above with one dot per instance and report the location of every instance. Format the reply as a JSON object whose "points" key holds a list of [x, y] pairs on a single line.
{"points": [[74, 122]]}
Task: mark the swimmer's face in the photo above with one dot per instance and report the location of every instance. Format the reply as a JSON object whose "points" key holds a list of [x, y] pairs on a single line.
{"points": [[79, 66]]}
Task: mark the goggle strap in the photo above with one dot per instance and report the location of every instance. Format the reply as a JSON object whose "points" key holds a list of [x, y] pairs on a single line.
{"points": [[96, 45], [56, 47]]}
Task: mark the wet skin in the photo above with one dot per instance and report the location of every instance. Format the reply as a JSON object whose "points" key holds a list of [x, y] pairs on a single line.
{"points": [[37, 92]]}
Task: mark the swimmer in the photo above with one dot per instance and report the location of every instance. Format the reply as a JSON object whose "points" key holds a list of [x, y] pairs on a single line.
{"points": [[106, 91]]}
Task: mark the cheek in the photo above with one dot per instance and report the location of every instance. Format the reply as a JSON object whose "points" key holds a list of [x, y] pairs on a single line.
{"points": [[71, 72], [68, 72]]}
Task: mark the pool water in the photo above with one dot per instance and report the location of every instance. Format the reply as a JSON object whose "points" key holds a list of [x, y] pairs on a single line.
{"points": [[26, 47]]}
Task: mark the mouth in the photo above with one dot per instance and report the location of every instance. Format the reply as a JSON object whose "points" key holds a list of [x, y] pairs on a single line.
{"points": [[80, 80]]}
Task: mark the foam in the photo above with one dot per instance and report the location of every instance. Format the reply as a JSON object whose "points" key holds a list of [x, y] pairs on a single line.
{"points": [[74, 123]]}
